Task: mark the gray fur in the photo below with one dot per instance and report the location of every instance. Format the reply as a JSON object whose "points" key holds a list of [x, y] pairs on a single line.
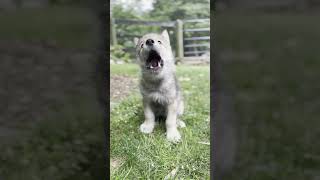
{"points": [[159, 86]]}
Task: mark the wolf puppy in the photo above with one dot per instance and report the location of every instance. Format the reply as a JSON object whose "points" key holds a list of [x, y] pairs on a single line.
{"points": [[158, 85]]}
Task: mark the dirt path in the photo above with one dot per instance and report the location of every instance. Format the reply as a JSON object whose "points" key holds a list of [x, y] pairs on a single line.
{"points": [[120, 87]]}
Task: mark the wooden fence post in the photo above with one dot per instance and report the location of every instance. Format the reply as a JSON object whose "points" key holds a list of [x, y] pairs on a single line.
{"points": [[179, 34], [113, 32]]}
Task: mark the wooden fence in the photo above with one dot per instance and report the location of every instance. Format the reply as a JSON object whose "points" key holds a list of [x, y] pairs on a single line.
{"points": [[192, 37], [196, 37]]}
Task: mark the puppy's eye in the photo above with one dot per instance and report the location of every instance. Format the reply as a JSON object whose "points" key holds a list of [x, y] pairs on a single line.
{"points": [[159, 42], [141, 45]]}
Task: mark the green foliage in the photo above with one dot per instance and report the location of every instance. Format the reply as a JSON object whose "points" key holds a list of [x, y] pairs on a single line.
{"points": [[119, 12], [117, 53], [163, 11], [167, 10], [125, 33], [180, 9]]}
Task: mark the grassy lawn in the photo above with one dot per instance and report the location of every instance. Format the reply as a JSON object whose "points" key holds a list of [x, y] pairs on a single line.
{"points": [[272, 64], [141, 156]]}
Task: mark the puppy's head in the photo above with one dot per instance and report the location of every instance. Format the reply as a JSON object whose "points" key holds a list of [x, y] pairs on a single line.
{"points": [[154, 52]]}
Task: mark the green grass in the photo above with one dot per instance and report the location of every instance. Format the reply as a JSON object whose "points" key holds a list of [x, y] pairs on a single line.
{"points": [[276, 94], [127, 70], [69, 27], [151, 156]]}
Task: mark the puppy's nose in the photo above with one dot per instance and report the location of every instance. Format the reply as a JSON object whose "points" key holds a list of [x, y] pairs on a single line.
{"points": [[149, 42]]}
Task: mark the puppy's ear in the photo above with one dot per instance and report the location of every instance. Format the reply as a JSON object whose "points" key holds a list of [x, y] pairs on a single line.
{"points": [[136, 40], [165, 35]]}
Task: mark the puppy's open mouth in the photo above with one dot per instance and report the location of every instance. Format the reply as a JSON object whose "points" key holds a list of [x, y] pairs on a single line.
{"points": [[154, 61]]}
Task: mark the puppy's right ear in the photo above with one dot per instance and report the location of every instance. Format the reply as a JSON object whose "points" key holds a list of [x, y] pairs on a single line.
{"points": [[136, 40], [165, 35]]}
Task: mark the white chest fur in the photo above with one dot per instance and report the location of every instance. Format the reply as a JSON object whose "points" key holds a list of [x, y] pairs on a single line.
{"points": [[159, 97]]}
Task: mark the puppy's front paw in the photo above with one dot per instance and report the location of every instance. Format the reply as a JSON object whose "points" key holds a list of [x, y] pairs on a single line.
{"points": [[146, 127], [173, 135]]}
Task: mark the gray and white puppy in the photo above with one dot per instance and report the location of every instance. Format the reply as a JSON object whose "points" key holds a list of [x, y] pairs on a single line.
{"points": [[158, 85]]}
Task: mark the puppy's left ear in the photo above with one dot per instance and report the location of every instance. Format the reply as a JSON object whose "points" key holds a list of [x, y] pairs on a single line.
{"points": [[165, 34]]}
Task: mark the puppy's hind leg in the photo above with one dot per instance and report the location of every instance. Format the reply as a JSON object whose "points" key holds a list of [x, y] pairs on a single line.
{"points": [[180, 107], [180, 123], [173, 134]]}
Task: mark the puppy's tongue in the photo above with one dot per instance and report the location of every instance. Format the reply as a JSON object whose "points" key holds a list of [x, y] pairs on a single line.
{"points": [[154, 63]]}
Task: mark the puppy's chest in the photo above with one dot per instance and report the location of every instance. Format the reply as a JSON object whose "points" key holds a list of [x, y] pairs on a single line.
{"points": [[161, 95]]}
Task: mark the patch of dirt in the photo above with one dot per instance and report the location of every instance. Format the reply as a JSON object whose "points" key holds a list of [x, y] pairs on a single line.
{"points": [[115, 163], [121, 86]]}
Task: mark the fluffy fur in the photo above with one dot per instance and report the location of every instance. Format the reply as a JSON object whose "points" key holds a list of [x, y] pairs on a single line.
{"points": [[159, 87]]}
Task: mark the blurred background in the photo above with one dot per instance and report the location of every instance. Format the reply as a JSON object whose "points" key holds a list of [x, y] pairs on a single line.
{"points": [[51, 124], [268, 105], [271, 5], [266, 69], [187, 21]]}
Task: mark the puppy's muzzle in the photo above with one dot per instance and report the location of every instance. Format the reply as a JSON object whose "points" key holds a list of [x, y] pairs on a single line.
{"points": [[149, 42], [154, 61]]}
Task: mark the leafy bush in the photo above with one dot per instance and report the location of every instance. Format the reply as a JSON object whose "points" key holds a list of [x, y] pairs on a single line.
{"points": [[117, 53], [180, 9]]}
